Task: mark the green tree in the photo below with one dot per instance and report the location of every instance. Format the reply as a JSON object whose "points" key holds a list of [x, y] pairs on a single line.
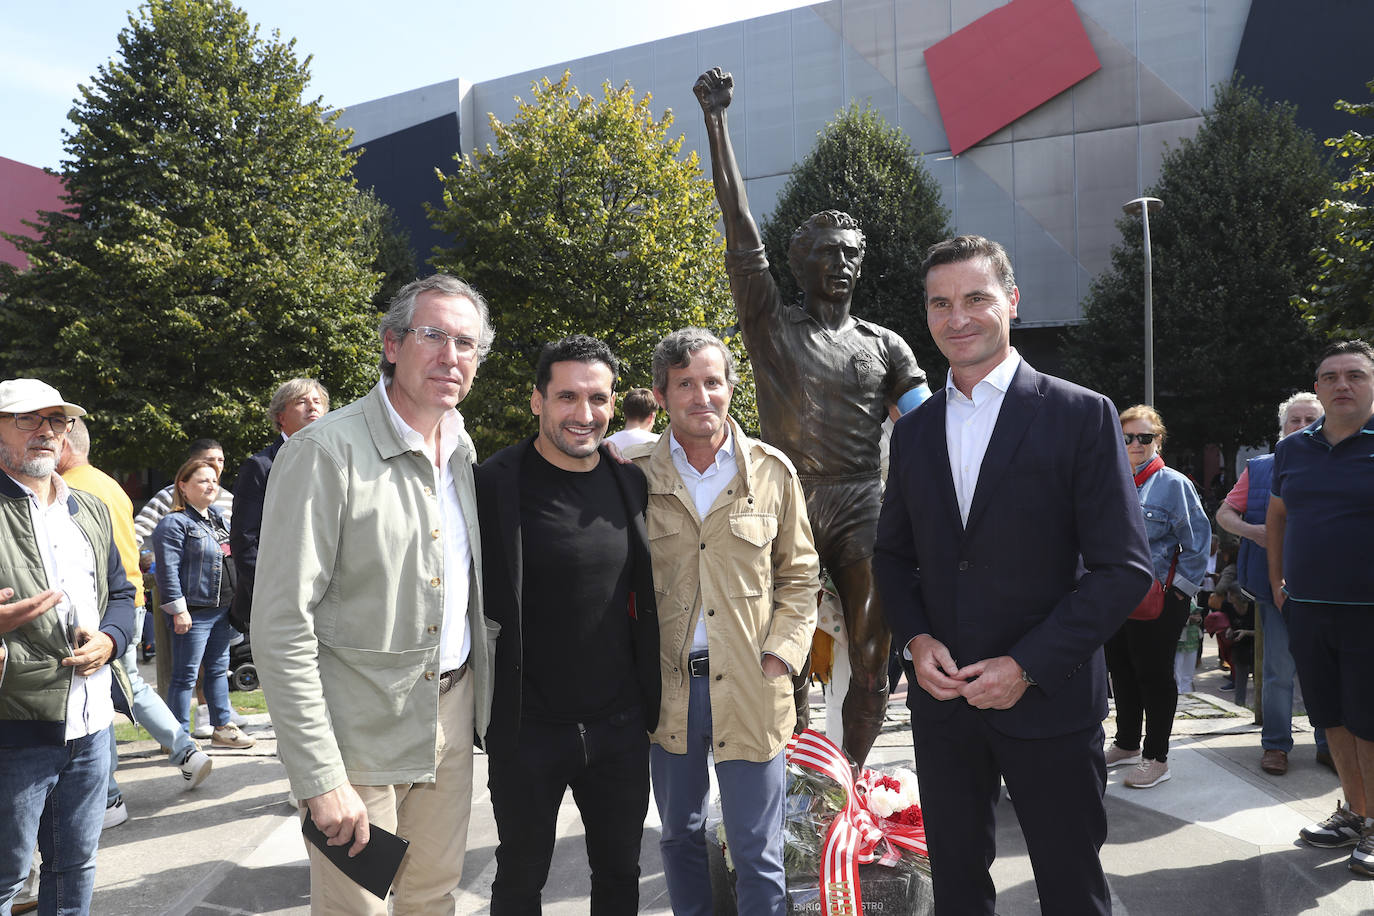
{"points": [[867, 168], [1231, 247], [387, 243], [211, 248], [581, 219], [1341, 301]]}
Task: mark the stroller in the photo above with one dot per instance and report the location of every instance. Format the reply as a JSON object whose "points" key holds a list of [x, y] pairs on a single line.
{"points": [[243, 674]]}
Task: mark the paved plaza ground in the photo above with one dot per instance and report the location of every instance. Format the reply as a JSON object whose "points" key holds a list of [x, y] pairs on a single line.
{"points": [[1219, 838]]}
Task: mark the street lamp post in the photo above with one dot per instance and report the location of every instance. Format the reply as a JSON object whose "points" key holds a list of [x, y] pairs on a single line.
{"points": [[1144, 206]]}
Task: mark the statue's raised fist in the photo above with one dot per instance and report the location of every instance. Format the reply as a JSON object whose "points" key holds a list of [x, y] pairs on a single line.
{"points": [[714, 89]]}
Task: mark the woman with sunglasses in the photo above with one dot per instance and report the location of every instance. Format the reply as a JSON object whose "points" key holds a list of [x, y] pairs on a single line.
{"points": [[1140, 657]]}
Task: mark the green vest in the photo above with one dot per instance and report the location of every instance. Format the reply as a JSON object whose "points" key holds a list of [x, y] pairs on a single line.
{"points": [[35, 685]]}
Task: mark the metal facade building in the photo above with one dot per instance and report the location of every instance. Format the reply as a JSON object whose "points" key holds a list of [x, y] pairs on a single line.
{"points": [[1049, 186]]}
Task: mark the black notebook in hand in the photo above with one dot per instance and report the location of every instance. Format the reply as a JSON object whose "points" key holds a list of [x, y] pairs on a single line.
{"points": [[374, 868]]}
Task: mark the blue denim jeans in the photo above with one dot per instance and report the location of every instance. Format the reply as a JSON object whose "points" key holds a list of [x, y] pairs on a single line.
{"points": [[752, 800], [52, 794], [151, 712], [208, 641], [1278, 674]]}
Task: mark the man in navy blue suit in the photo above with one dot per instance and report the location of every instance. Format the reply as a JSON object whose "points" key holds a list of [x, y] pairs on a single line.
{"points": [[1010, 546], [295, 405]]}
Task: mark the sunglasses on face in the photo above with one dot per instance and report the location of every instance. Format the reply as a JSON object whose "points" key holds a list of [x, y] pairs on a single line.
{"points": [[1142, 438]]}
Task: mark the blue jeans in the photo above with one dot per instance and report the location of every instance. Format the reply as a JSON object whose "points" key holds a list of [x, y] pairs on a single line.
{"points": [[1278, 683], [752, 800], [208, 641], [151, 712], [52, 793]]}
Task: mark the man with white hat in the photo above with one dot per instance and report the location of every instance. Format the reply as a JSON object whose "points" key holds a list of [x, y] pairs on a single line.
{"points": [[66, 611]]}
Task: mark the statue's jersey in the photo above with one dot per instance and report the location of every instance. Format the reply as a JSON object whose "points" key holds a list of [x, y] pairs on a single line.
{"points": [[822, 394]]}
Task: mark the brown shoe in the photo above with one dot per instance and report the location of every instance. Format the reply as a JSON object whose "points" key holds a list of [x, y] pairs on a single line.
{"points": [[1274, 762]]}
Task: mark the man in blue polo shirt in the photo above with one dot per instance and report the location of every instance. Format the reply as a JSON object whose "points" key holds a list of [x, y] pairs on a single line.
{"points": [[1320, 522]]}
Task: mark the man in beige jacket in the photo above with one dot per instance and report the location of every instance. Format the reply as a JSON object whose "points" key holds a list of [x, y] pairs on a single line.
{"points": [[735, 575]]}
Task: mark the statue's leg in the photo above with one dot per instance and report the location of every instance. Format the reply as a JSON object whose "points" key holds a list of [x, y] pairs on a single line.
{"points": [[869, 645]]}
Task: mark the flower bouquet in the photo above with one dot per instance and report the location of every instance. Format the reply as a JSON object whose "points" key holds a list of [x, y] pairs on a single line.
{"points": [[849, 846]]}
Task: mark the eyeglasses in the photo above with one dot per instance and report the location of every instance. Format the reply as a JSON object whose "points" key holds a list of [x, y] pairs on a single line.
{"points": [[28, 422], [434, 339], [1142, 438]]}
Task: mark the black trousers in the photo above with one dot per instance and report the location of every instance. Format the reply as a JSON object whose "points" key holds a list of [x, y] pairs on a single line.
{"points": [[606, 764], [1140, 657], [1056, 787]]}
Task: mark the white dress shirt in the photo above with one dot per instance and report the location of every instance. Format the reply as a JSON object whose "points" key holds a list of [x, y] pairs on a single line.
{"points": [[454, 639], [704, 487], [968, 427]]}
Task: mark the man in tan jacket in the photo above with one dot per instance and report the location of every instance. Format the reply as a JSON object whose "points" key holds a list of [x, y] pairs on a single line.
{"points": [[735, 576]]}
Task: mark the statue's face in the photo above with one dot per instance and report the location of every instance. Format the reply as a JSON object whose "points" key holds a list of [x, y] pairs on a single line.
{"points": [[831, 270]]}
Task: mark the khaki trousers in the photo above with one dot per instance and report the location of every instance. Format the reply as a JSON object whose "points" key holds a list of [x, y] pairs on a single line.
{"points": [[432, 816]]}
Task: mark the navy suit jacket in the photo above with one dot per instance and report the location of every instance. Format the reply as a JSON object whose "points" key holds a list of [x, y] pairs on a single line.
{"points": [[245, 526], [498, 513], [1052, 561]]}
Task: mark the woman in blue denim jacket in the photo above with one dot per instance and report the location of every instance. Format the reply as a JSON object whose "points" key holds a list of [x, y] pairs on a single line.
{"points": [[191, 545], [1140, 657]]}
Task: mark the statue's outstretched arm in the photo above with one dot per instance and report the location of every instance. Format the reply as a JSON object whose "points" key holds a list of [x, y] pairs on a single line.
{"points": [[714, 90]]}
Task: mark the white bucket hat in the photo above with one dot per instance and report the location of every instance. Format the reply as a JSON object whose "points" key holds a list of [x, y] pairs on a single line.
{"points": [[26, 395]]}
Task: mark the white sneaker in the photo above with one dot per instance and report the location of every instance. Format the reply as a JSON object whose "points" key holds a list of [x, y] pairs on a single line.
{"points": [[237, 718], [195, 765], [115, 815], [203, 727]]}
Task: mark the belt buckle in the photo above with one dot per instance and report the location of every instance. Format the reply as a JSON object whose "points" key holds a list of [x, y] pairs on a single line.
{"points": [[451, 677], [699, 666]]}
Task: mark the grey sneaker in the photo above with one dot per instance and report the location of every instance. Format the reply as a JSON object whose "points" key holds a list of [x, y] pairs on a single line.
{"points": [[1147, 774], [1340, 829], [1362, 859], [203, 727], [1117, 757], [195, 765]]}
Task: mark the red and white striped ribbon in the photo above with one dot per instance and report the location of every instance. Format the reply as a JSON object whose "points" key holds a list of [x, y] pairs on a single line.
{"points": [[855, 836]]}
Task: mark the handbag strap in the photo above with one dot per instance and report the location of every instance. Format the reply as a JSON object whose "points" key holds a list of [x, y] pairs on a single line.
{"points": [[1173, 564]]}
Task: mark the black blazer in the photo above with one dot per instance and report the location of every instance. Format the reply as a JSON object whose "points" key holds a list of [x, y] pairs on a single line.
{"points": [[1052, 561], [498, 512], [244, 527]]}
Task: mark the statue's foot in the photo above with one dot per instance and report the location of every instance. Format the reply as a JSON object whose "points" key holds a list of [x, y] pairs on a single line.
{"points": [[862, 715]]}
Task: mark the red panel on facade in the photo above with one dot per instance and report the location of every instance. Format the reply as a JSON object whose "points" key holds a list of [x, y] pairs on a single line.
{"points": [[24, 190], [1001, 66]]}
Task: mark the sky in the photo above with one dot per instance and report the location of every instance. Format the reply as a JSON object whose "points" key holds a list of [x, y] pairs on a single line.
{"points": [[361, 49]]}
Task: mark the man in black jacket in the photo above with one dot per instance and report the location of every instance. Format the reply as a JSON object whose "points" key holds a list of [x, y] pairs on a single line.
{"points": [[295, 405], [566, 573]]}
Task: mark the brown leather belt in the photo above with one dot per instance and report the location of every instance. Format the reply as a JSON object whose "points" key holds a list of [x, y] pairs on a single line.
{"points": [[452, 677]]}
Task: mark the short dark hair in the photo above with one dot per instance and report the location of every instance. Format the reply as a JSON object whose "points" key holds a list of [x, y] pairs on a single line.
{"points": [[677, 349], [804, 237], [1342, 347], [639, 405], [198, 446], [575, 348], [967, 248]]}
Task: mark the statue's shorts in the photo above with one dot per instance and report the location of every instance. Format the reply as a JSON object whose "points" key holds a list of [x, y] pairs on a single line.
{"points": [[844, 516]]}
